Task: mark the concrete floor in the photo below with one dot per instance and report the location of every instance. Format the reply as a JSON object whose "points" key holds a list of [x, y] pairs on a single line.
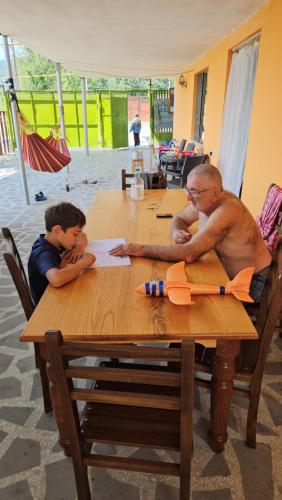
{"points": [[32, 465]]}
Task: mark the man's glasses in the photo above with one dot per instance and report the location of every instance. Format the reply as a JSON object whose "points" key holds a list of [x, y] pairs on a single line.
{"points": [[193, 193]]}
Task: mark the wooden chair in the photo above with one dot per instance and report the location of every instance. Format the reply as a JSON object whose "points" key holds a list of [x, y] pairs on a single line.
{"points": [[253, 309], [179, 179], [152, 180], [124, 176], [253, 354], [17, 272], [130, 405]]}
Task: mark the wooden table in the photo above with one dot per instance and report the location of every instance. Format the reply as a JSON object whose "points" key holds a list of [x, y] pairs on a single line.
{"points": [[102, 304]]}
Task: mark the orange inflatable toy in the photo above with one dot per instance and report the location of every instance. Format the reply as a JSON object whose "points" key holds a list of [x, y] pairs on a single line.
{"points": [[180, 291]]}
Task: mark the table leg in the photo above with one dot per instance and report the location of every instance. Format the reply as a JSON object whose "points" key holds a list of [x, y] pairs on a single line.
{"points": [[221, 391], [57, 408]]}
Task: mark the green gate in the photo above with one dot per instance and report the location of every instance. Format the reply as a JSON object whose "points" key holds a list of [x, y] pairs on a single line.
{"points": [[107, 116], [119, 113]]}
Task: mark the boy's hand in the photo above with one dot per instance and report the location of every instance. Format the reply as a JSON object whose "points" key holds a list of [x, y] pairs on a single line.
{"points": [[129, 249], [76, 253], [181, 237], [73, 255], [88, 259]]}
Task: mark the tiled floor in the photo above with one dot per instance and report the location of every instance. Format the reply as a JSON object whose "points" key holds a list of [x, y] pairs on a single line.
{"points": [[32, 465]]}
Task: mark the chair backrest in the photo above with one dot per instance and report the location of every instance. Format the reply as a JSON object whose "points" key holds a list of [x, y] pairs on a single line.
{"points": [[130, 404], [152, 180], [191, 162], [270, 218], [190, 146], [124, 176], [253, 354], [16, 269], [182, 145]]}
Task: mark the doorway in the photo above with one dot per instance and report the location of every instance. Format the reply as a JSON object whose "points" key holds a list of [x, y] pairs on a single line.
{"points": [[139, 104], [237, 114]]}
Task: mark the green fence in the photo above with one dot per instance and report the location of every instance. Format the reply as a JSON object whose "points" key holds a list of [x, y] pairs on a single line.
{"points": [[107, 116]]}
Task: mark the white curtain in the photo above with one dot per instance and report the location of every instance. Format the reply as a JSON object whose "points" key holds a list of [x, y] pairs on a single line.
{"points": [[236, 116]]}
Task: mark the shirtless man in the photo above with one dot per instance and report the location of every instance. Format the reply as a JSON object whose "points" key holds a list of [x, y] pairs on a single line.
{"points": [[225, 226]]}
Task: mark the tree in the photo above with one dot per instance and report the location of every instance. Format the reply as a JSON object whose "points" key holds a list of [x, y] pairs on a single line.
{"points": [[36, 72]]}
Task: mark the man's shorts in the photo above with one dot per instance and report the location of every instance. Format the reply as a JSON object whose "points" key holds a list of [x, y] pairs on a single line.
{"points": [[257, 284]]}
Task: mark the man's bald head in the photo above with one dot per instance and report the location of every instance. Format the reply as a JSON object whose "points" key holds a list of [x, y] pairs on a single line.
{"points": [[209, 171]]}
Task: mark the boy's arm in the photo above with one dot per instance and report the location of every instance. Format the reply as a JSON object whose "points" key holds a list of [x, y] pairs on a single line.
{"points": [[59, 277]]}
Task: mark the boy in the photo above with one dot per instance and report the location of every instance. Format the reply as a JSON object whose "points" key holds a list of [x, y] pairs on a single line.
{"points": [[57, 257]]}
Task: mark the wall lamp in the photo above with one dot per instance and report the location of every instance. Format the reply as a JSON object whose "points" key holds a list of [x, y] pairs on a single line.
{"points": [[182, 81]]}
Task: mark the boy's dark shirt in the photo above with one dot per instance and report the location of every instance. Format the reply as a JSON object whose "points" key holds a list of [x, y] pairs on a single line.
{"points": [[43, 257]]}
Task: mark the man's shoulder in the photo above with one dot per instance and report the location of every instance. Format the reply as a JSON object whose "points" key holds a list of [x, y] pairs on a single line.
{"points": [[226, 213], [230, 203]]}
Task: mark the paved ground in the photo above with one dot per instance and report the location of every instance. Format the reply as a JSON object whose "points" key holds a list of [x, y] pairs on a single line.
{"points": [[32, 465]]}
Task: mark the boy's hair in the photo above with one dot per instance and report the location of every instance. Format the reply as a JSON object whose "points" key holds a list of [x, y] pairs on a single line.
{"points": [[66, 215]]}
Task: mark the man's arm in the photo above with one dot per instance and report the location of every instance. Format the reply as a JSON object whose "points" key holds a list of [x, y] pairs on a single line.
{"points": [[206, 239], [59, 277], [182, 220]]}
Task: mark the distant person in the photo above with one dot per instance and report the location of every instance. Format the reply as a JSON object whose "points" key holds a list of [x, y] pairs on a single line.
{"points": [[58, 257], [135, 128]]}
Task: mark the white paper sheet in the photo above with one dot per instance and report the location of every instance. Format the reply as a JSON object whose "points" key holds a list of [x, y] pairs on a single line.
{"points": [[101, 248]]}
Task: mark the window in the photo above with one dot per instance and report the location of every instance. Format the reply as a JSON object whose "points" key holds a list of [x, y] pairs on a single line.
{"points": [[202, 79]]}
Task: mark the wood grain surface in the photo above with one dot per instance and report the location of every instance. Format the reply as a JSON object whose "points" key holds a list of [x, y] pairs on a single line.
{"points": [[102, 304]]}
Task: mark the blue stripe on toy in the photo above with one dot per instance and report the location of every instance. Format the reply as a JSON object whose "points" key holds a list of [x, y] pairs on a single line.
{"points": [[147, 288], [222, 290], [161, 288], [154, 289]]}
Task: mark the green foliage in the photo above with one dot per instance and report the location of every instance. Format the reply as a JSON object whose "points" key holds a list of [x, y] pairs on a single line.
{"points": [[29, 64], [39, 73]]}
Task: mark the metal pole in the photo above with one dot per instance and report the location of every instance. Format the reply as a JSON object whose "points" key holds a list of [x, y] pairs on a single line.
{"points": [[15, 118], [152, 150], [16, 79], [85, 128], [61, 102]]}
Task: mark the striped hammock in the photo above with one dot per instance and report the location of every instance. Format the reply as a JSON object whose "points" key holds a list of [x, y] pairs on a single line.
{"points": [[44, 155]]}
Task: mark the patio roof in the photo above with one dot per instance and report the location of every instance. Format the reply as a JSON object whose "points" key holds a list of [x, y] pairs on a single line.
{"points": [[123, 38]]}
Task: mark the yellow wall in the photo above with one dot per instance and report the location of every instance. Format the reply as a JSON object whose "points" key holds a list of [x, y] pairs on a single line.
{"points": [[263, 162]]}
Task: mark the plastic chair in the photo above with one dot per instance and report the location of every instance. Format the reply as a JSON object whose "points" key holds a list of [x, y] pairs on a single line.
{"points": [[179, 179]]}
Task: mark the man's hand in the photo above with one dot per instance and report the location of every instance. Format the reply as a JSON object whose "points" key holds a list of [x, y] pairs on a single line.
{"points": [[128, 249], [181, 237]]}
